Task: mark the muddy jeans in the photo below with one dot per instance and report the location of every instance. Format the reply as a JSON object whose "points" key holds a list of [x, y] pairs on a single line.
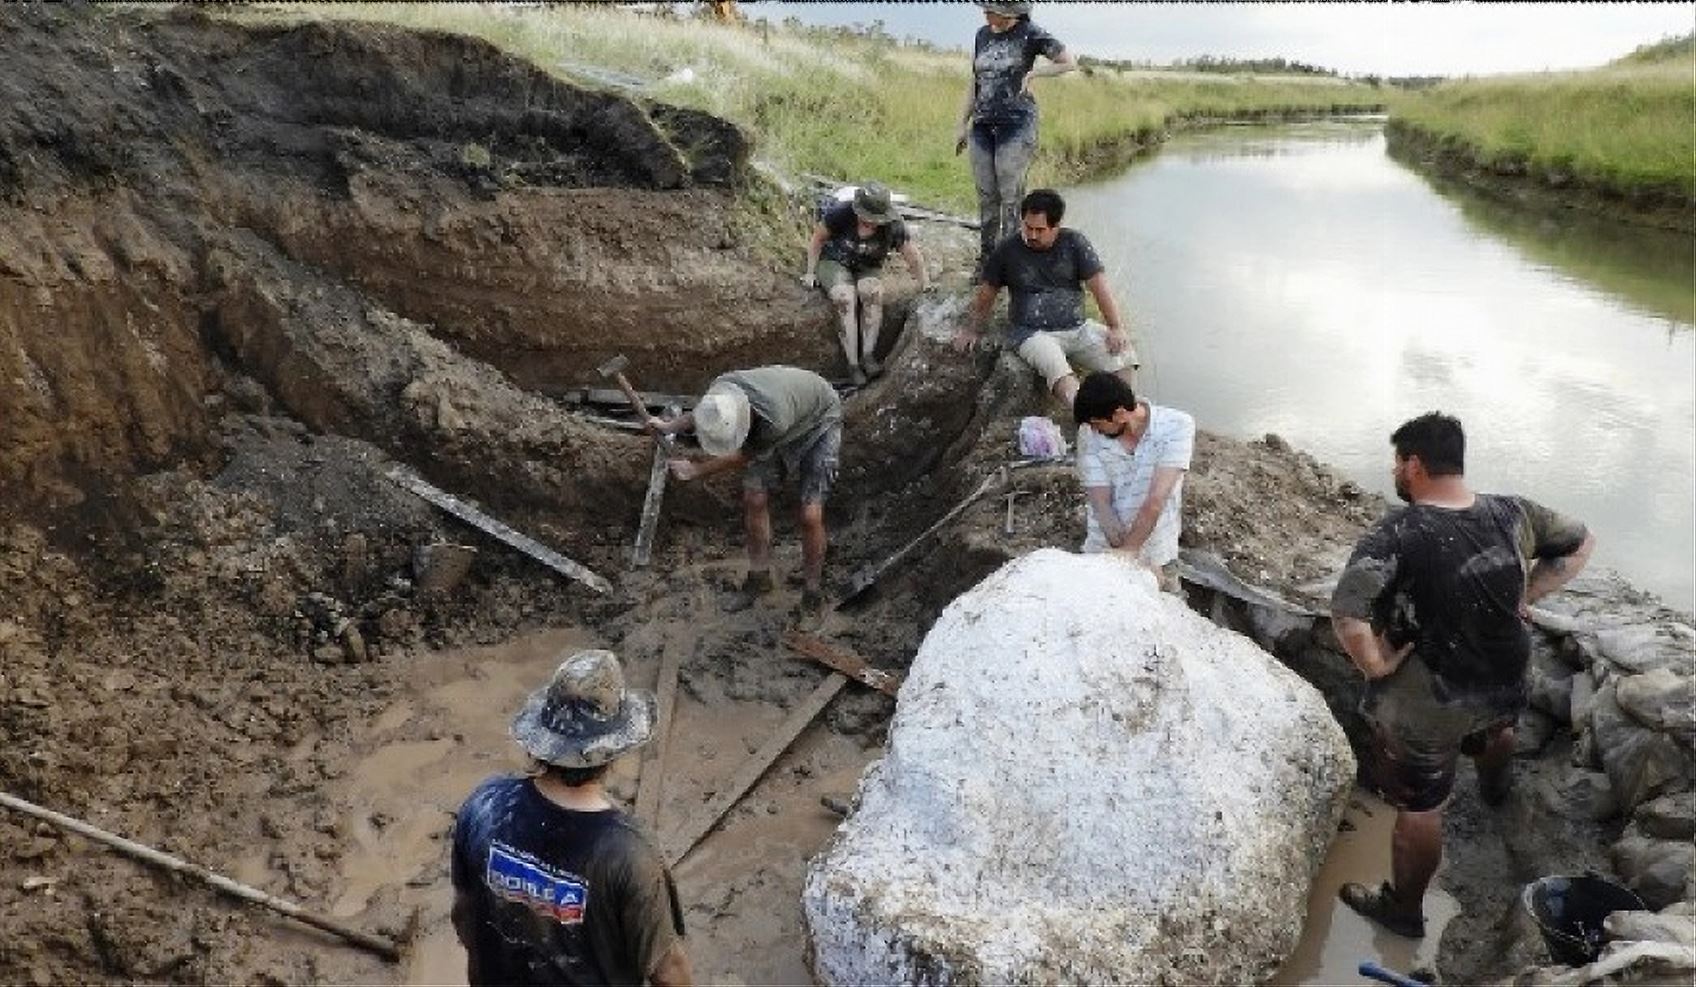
{"points": [[1001, 154]]}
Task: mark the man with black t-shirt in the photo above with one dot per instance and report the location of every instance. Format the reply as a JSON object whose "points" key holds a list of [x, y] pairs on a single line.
{"points": [[552, 884], [1045, 269], [1432, 608]]}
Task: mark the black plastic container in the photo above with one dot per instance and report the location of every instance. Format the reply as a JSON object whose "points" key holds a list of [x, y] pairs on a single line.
{"points": [[1569, 912]]}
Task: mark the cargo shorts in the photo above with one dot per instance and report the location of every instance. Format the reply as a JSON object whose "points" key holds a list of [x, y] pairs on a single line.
{"points": [[816, 463], [1052, 352], [1418, 734]]}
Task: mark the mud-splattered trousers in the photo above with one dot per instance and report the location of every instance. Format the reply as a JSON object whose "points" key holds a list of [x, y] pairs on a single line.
{"points": [[1001, 152]]}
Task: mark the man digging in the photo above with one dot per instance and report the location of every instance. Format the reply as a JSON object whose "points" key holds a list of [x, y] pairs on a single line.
{"points": [[1132, 457], [1045, 269], [1432, 607], [765, 421], [552, 884]]}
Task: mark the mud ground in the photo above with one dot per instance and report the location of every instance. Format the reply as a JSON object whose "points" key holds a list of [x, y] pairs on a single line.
{"points": [[242, 273]]}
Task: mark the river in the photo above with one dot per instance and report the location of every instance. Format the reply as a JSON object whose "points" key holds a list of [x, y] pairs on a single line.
{"points": [[1296, 279]]}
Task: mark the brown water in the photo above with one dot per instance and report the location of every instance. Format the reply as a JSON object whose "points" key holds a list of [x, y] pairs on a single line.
{"points": [[1336, 940]]}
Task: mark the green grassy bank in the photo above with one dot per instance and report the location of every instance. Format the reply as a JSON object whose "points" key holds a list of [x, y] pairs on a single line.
{"points": [[1628, 129], [853, 107]]}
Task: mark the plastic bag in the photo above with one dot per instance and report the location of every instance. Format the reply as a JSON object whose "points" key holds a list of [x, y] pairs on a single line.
{"points": [[1040, 438]]}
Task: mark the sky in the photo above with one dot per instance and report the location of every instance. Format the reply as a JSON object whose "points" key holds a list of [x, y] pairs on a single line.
{"points": [[1380, 38]]}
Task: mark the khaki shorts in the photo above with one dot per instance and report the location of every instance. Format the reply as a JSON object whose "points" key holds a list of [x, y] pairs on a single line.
{"points": [[1052, 353], [1417, 736]]}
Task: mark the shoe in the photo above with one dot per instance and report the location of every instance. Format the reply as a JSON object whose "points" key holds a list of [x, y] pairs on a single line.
{"points": [[1380, 906], [857, 377], [756, 585], [812, 601], [871, 366]]}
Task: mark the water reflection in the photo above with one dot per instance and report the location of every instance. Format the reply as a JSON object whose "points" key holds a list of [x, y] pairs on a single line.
{"points": [[1327, 293], [1647, 268]]}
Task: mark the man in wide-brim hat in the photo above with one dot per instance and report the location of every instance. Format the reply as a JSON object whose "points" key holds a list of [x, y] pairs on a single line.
{"points": [[845, 260], [552, 883]]}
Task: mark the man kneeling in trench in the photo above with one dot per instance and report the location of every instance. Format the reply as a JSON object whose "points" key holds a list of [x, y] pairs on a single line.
{"points": [[1447, 580], [769, 419]]}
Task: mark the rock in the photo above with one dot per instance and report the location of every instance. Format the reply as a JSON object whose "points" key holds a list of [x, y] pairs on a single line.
{"points": [[1658, 870], [1533, 731], [1583, 697], [1642, 647], [1666, 927], [440, 566], [1580, 794], [1669, 817], [1639, 761], [1550, 692], [356, 560], [328, 654], [1660, 698], [1029, 822], [354, 644]]}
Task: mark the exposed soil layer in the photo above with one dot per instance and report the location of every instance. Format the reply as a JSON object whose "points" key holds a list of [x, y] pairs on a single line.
{"points": [[244, 272], [1519, 180]]}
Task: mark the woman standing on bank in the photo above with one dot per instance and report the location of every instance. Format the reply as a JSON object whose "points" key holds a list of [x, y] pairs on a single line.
{"points": [[999, 118]]}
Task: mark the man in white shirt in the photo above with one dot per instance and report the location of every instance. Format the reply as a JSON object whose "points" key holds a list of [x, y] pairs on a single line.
{"points": [[1132, 457]]}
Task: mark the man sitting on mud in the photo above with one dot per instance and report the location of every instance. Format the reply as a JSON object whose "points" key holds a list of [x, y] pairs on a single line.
{"points": [[769, 419], [552, 884], [1447, 580], [1132, 457], [1045, 270], [844, 257]]}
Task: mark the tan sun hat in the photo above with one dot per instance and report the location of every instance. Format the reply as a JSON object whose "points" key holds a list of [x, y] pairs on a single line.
{"points": [[722, 419]]}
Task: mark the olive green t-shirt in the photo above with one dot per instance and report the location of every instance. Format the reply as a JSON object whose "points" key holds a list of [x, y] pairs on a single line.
{"points": [[791, 407]]}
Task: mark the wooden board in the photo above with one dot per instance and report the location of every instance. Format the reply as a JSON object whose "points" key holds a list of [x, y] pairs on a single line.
{"points": [[643, 550], [684, 838], [842, 660], [470, 514], [652, 780]]}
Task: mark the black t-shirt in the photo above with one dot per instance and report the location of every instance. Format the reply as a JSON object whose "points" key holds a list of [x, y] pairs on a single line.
{"points": [[1450, 581], [558, 896], [1000, 63], [844, 245], [1045, 287]]}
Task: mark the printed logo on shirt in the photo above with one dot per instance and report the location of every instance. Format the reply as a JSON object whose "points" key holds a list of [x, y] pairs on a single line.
{"points": [[516, 876]]}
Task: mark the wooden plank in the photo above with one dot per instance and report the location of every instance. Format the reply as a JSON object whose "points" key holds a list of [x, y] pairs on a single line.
{"points": [[684, 838], [612, 397], [470, 514], [842, 660], [652, 780], [664, 449]]}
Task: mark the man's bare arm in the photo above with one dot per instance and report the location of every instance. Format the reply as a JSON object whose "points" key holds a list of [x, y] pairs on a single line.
{"points": [[1548, 575], [1100, 500], [1117, 338], [1160, 488], [983, 299], [1366, 649]]}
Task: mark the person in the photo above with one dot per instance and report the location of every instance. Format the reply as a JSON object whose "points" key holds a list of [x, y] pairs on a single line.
{"points": [[998, 120], [844, 257], [1432, 608], [1045, 270], [1132, 457], [765, 420], [552, 884]]}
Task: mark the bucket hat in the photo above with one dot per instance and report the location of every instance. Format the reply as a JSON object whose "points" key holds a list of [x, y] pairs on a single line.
{"points": [[584, 717], [1012, 9], [722, 419], [874, 204]]}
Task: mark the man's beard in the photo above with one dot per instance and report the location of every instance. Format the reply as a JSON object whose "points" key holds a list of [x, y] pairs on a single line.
{"points": [[1402, 491]]}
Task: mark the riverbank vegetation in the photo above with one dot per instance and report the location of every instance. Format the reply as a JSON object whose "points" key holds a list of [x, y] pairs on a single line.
{"points": [[1623, 129], [850, 106]]}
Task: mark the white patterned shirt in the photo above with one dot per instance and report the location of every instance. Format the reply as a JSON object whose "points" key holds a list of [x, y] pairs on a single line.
{"points": [[1104, 462]]}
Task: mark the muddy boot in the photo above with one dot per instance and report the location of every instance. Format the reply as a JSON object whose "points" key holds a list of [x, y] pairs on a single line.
{"points": [[1383, 907], [871, 366], [755, 586], [856, 376], [812, 603]]}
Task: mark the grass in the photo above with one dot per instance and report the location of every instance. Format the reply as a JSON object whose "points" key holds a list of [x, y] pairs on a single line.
{"points": [[846, 107], [1628, 126]]}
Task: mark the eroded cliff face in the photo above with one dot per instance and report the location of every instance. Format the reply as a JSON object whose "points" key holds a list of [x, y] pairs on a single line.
{"points": [[179, 196]]}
